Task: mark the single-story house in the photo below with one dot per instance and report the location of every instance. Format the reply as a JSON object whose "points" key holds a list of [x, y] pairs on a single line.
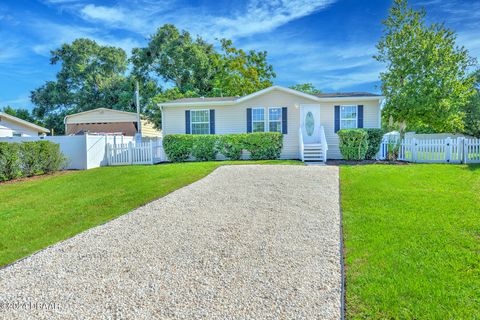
{"points": [[11, 126], [108, 121], [308, 122]]}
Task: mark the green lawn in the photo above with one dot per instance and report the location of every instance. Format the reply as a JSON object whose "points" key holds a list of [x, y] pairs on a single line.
{"points": [[40, 212], [412, 238]]}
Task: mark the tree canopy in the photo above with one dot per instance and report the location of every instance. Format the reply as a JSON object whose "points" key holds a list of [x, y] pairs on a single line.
{"points": [[91, 76], [427, 79], [194, 66], [306, 88]]}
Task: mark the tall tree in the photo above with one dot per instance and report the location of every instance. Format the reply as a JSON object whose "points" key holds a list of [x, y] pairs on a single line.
{"points": [[90, 76], [427, 80], [472, 111], [240, 73], [306, 88], [177, 58], [194, 66]]}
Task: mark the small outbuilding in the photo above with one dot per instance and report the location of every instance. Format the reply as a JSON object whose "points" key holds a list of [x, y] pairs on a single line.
{"points": [[11, 126], [108, 121]]}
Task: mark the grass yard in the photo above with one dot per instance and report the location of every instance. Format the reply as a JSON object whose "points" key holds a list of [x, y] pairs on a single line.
{"points": [[412, 241], [40, 212]]}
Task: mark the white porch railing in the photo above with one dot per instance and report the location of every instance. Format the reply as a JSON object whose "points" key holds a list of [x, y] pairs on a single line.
{"points": [[323, 142], [300, 144], [135, 153], [459, 150]]}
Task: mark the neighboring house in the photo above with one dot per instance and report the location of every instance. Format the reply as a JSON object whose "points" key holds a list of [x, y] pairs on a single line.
{"points": [[108, 121], [11, 126], [309, 122]]}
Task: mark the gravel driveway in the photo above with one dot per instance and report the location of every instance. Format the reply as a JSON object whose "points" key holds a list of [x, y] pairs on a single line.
{"points": [[246, 242]]}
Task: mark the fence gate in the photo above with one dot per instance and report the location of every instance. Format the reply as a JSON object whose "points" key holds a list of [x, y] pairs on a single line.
{"points": [[135, 153]]}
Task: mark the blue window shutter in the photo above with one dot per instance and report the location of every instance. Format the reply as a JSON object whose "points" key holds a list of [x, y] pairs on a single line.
{"points": [[187, 121], [212, 121], [249, 120], [360, 116], [284, 121], [337, 118]]}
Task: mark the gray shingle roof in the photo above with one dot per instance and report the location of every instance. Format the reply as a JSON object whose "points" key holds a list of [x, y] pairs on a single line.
{"points": [[320, 95], [346, 95], [207, 99]]}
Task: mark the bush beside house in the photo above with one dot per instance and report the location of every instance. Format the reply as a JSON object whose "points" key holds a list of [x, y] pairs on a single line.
{"points": [[28, 159], [260, 145], [360, 144]]}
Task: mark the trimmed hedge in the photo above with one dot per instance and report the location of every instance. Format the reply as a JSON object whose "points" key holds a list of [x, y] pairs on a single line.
{"points": [[178, 147], [374, 139], [261, 145], [231, 145], [264, 145], [28, 159], [353, 144], [205, 147]]}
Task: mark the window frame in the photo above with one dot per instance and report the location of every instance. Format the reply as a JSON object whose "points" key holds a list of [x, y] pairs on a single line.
{"points": [[349, 119], [259, 121], [192, 123], [279, 121]]}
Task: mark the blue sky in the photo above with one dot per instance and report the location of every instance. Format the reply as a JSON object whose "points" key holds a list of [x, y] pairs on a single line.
{"points": [[327, 42]]}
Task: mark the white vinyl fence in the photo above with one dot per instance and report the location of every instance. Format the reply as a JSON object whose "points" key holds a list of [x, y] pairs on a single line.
{"points": [[457, 150], [135, 153]]}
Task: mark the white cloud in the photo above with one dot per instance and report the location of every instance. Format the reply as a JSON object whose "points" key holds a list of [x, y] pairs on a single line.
{"points": [[112, 15], [263, 16], [53, 35], [143, 16]]}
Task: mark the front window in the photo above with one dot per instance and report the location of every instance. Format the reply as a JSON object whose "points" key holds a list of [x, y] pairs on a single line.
{"points": [[16, 134], [200, 121], [258, 120], [348, 117], [275, 119]]}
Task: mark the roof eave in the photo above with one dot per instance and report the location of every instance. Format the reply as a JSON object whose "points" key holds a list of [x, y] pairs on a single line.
{"points": [[197, 104], [25, 123], [230, 103]]}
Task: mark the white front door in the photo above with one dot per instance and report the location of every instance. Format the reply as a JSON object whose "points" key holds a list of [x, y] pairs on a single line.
{"points": [[310, 123]]}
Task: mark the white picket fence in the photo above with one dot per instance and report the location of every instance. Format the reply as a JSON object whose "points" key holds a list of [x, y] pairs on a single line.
{"points": [[458, 150], [149, 152]]}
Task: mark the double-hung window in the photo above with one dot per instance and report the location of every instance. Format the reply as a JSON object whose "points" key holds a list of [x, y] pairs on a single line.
{"points": [[348, 117], [258, 120], [275, 119], [200, 121]]}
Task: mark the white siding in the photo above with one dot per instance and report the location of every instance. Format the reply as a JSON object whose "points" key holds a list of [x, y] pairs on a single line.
{"points": [[7, 128], [233, 119]]}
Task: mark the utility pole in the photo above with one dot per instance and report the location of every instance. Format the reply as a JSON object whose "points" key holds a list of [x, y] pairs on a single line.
{"points": [[138, 136]]}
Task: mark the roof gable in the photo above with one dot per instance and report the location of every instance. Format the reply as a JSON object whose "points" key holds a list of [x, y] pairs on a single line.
{"points": [[23, 122]]}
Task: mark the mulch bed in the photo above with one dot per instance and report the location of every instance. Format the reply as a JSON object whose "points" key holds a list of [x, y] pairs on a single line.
{"points": [[60, 173]]}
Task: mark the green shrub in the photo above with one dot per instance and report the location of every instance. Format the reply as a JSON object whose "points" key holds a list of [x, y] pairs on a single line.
{"points": [[353, 144], [264, 145], [231, 145], [205, 147], [51, 158], [28, 159], [178, 147], [10, 166], [374, 140]]}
